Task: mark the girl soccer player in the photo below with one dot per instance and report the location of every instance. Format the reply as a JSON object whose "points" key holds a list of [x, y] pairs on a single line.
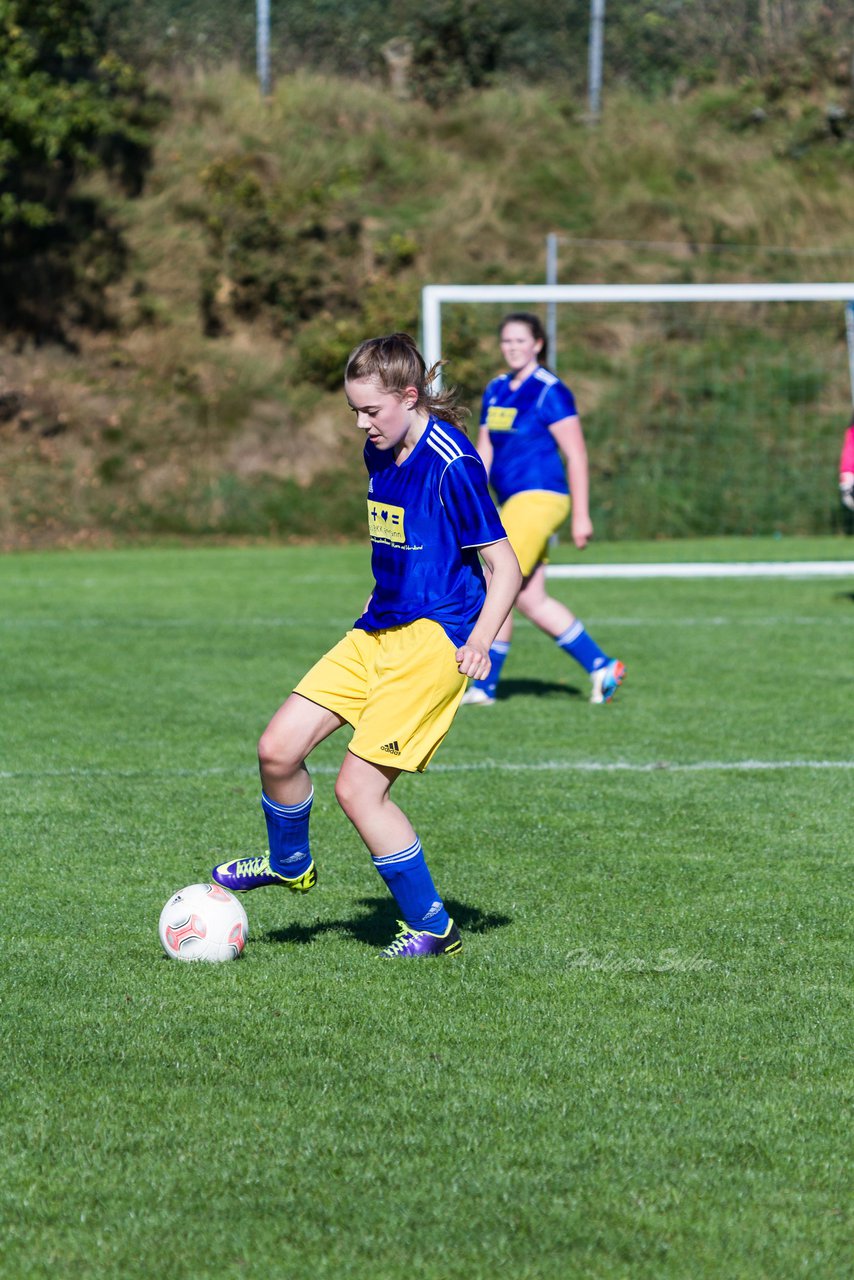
{"points": [[529, 425], [399, 675]]}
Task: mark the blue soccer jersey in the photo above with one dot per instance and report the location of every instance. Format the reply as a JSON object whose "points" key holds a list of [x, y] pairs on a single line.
{"points": [[524, 452], [427, 517]]}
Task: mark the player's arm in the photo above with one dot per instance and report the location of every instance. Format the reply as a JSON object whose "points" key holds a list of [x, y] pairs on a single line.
{"points": [[505, 579], [570, 440], [484, 447], [846, 489]]}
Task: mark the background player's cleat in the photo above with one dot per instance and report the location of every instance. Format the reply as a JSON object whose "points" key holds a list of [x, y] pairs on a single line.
{"points": [[476, 697], [607, 680], [415, 942], [255, 873]]}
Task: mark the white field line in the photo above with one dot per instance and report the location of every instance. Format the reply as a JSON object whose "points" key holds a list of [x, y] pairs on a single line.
{"points": [[336, 625], [625, 766], [710, 569], [157, 624], [471, 766], [716, 620]]}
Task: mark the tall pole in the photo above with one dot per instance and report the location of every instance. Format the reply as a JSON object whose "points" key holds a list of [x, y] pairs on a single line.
{"points": [[262, 45], [551, 309], [849, 329], [594, 92]]}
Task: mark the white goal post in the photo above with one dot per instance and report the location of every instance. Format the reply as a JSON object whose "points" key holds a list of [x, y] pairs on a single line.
{"points": [[433, 296]]}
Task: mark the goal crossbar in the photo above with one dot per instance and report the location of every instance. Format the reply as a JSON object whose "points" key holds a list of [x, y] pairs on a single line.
{"points": [[433, 296]]}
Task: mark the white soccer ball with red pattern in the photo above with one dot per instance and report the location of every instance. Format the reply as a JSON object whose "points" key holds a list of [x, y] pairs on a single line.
{"points": [[203, 922]]}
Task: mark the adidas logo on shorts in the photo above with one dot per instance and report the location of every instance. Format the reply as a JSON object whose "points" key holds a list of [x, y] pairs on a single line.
{"points": [[392, 748]]}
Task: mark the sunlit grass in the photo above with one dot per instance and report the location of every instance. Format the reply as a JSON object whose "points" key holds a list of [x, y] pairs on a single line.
{"points": [[637, 1067]]}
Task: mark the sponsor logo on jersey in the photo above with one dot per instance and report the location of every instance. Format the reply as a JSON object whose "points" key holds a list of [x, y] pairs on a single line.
{"points": [[385, 523], [498, 419]]}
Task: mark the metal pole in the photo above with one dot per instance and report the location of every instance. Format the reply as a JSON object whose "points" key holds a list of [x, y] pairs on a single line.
{"points": [[262, 45], [551, 310], [597, 21], [849, 329]]}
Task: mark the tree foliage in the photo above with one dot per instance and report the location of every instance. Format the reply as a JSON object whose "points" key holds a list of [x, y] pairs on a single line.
{"points": [[68, 106]]}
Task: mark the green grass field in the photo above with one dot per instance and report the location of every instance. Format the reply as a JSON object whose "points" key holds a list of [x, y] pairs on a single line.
{"points": [[639, 1066]]}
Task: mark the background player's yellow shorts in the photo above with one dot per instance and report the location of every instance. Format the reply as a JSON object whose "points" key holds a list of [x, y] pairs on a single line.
{"points": [[399, 689], [529, 520]]}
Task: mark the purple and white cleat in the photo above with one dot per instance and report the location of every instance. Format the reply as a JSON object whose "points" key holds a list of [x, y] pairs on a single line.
{"points": [[417, 942], [256, 873]]}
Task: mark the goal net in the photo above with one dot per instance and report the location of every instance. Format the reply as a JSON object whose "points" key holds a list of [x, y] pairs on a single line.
{"points": [[707, 409]]}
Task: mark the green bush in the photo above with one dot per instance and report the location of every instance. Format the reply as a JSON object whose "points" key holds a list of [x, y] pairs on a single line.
{"points": [[68, 106], [284, 254]]}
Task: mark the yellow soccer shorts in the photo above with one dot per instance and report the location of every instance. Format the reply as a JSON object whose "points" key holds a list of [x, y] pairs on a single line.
{"points": [[529, 520], [399, 689]]}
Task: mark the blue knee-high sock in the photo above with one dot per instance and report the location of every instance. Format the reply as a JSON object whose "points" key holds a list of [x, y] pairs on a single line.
{"points": [[287, 834], [497, 656], [409, 881], [579, 645]]}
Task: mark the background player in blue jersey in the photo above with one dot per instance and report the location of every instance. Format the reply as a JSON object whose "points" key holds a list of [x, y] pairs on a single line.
{"points": [[399, 675], [533, 449]]}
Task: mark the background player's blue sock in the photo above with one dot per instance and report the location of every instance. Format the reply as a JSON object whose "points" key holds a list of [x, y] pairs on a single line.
{"points": [[497, 656], [579, 645], [287, 834], [411, 885]]}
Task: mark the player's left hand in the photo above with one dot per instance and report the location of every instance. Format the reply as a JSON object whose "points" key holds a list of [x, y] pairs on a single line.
{"points": [[473, 661]]}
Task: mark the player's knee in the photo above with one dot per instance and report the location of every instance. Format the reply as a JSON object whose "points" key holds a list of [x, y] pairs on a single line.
{"points": [[528, 606], [266, 751], [274, 757], [347, 795]]}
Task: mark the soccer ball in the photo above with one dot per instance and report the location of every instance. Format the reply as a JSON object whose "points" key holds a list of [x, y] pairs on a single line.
{"points": [[203, 922]]}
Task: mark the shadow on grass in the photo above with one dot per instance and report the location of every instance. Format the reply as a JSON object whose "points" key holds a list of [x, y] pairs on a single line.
{"points": [[536, 689], [378, 925]]}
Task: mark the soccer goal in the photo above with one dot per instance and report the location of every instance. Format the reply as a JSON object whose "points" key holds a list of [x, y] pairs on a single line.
{"points": [[708, 408]]}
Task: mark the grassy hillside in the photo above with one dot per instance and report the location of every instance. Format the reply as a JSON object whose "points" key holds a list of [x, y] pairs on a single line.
{"points": [[272, 236]]}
